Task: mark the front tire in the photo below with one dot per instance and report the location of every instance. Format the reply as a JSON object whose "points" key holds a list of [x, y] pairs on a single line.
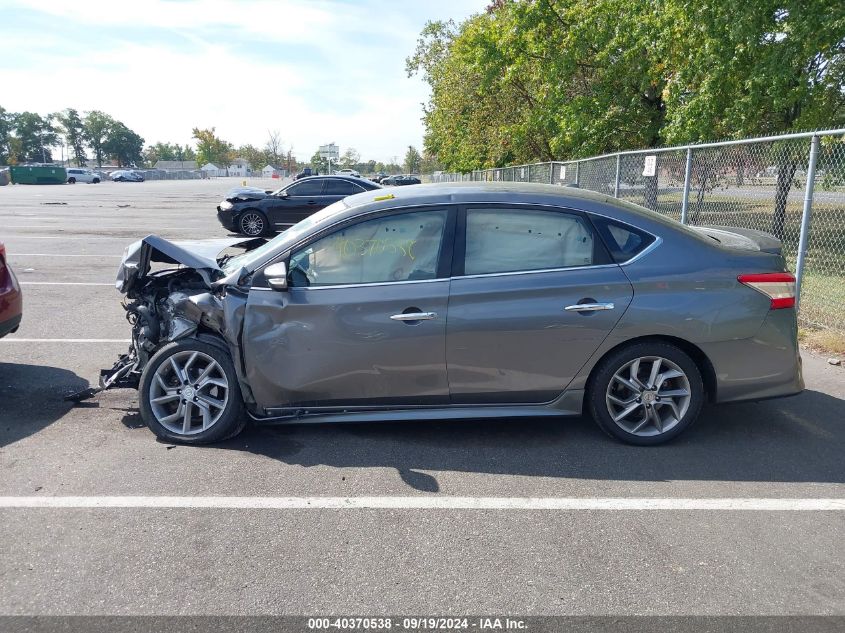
{"points": [[253, 223], [189, 394], [646, 393]]}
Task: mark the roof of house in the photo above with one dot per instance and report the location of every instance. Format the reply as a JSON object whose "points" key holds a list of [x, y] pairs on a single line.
{"points": [[209, 166]]}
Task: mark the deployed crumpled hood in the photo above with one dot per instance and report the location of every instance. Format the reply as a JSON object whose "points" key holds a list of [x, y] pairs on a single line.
{"points": [[201, 255], [247, 193]]}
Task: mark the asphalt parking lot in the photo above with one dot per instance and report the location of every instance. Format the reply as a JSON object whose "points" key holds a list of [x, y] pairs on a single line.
{"points": [[303, 557]]}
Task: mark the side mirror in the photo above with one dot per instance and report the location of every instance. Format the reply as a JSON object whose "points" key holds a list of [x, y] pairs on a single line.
{"points": [[284, 194], [277, 276]]}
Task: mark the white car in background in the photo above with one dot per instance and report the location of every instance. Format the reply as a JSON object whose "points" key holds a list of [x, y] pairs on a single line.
{"points": [[347, 172], [78, 174]]}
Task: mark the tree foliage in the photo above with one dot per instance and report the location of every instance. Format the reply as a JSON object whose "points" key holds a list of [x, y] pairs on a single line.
{"points": [[413, 160], [532, 80], [123, 145], [71, 127], [35, 136], [95, 127], [212, 149]]}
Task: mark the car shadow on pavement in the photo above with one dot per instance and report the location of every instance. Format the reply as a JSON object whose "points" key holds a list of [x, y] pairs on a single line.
{"points": [[32, 398], [798, 439]]}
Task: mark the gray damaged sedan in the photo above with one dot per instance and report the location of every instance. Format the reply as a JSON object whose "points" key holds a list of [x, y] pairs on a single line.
{"points": [[459, 301]]}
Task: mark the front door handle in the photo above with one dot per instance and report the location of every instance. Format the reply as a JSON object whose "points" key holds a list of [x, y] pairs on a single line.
{"points": [[589, 307], [414, 316]]}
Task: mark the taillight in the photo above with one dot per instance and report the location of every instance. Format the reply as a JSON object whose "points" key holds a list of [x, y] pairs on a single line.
{"points": [[779, 287]]}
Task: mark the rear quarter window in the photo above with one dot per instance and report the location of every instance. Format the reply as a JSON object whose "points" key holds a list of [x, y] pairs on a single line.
{"points": [[622, 240]]}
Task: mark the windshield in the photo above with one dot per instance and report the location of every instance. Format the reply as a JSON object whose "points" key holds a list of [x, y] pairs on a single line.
{"points": [[250, 259]]}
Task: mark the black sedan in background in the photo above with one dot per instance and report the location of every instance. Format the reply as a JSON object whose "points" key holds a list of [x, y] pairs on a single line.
{"points": [[255, 212], [407, 179]]}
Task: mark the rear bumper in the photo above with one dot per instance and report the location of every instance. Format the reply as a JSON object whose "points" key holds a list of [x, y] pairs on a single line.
{"points": [[767, 365], [9, 325]]}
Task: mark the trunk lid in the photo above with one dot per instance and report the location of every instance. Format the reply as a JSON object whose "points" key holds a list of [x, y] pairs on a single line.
{"points": [[742, 239]]}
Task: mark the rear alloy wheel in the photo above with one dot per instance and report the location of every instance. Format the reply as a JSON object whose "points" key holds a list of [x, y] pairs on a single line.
{"points": [[189, 393], [71, 181], [646, 394], [252, 223]]}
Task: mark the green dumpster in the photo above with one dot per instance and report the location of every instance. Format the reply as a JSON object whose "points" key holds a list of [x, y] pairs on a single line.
{"points": [[38, 175]]}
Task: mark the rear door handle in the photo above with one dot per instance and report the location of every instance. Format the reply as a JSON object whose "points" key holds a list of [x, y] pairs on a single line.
{"points": [[414, 316], [589, 307]]}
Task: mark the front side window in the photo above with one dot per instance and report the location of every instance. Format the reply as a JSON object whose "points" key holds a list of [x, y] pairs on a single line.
{"points": [[511, 240], [306, 188], [395, 248]]}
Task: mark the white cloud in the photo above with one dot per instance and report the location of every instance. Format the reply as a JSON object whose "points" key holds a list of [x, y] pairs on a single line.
{"points": [[341, 79]]}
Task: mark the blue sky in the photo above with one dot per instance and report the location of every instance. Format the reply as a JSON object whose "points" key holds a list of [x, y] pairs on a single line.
{"points": [[317, 71]]}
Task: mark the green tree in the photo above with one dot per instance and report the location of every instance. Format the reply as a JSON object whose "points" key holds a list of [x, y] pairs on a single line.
{"points": [[413, 160], [6, 126], [74, 134], [256, 158], [211, 148], [350, 158], [752, 69], [123, 144], [95, 127], [36, 136]]}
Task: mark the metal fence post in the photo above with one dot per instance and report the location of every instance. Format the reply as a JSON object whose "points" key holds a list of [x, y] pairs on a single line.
{"points": [[618, 170], [578, 174], [687, 178], [806, 214], [552, 173]]}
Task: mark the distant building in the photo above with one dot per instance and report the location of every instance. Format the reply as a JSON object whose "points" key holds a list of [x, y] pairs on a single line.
{"points": [[239, 168], [176, 165], [274, 171], [212, 171]]}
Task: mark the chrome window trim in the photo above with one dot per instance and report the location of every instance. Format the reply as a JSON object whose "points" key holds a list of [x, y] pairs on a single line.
{"points": [[648, 249], [363, 285], [534, 272]]}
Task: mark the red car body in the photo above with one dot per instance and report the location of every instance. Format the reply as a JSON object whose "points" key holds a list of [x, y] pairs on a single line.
{"points": [[11, 302]]}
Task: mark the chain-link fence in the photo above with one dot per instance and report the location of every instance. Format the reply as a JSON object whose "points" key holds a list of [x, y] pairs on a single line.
{"points": [[792, 186]]}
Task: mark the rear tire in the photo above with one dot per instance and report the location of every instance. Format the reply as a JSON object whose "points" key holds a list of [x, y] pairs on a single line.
{"points": [[189, 394], [71, 180], [253, 223], [96, 181], [646, 393]]}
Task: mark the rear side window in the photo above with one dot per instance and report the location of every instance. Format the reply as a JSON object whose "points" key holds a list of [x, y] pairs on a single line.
{"points": [[511, 240], [623, 241], [341, 188]]}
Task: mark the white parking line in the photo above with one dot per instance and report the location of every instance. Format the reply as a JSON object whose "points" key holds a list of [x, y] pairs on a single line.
{"points": [[12, 339], [66, 283], [429, 503]]}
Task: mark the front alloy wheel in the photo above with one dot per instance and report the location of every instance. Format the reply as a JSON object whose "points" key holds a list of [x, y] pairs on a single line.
{"points": [[252, 224], [189, 393], [646, 393]]}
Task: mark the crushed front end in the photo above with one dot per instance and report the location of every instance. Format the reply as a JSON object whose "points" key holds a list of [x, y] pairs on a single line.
{"points": [[193, 298]]}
